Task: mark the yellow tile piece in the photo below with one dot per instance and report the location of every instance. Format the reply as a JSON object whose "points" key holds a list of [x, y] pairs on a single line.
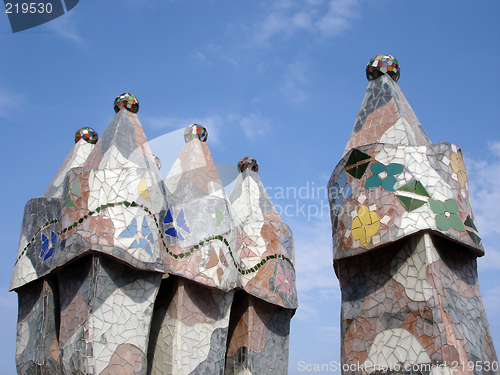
{"points": [[365, 225], [458, 166], [143, 190]]}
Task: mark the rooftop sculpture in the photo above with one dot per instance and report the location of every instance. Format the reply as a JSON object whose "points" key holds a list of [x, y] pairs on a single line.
{"points": [[120, 272], [405, 244]]}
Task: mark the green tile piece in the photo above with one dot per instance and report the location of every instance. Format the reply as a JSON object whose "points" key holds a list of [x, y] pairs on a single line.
{"points": [[468, 222], [377, 168], [437, 206], [68, 202], [372, 182], [66, 187], [410, 204], [405, 202], [219, 216], [416, 203], [394, 169], [356, 156], [358, 171], [456, 222], [75, 189], [420, 190], [474, 237], [409, 187], [451, 206], [388, 183], [416, 187], [442, 222]]}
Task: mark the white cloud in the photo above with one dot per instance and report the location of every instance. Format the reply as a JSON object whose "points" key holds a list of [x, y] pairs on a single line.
{"points": [[200, 57], [255, 126], [326, 19], [11, 102], [65, 26], [314, 257], [484, 185], [213, 124], [294, 76]]}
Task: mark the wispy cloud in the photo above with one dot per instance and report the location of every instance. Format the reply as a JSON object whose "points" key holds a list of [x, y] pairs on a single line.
{"points": [[215, 53], [325, 18], [11, 103], [66, 26], [213, 123], [484, 184], [314, 256], [294, 78], [255, 126]]}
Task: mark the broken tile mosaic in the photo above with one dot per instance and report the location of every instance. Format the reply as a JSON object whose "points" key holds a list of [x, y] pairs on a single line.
{"points": [[87, 134], [248, 163], [195, 131], [383, 64], [131, 274], [127, 101], [405, 242]]}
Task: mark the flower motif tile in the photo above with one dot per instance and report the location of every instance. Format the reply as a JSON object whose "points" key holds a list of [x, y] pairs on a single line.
{"points": [[446, 214], [48, 246], [365, 225], [410, 293], [173, 230], [143, 238], [383, 176], [123, 241]]}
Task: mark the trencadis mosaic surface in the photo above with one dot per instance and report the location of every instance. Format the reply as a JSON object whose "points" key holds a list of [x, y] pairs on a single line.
{"points": [[405, 244], [121, 272]]}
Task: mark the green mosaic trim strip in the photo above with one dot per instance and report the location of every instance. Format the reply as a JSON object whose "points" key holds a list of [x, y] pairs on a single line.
{"points": [[160, 232]]}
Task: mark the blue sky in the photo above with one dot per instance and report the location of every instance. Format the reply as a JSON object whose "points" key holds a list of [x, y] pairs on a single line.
{"points": [[281, 81]]}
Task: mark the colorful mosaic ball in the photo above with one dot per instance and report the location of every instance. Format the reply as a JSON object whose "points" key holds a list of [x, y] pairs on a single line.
{"points": [[248, 163], [88, 134], [157, 161], [195, 131], [127, 101], [383, 64]]}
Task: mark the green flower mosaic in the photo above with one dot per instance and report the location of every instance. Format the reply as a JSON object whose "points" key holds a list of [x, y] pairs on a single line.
{"points": [[446, 214], [383, 176]]}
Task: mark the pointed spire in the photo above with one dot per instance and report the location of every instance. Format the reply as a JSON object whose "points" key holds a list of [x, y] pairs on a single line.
{"points": [[197, 192], [123, 144], [249, 196], [195, 166], [392, 181], [111, 202], [198, 224], [265, 243], [85, 139], [385, 116]]}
